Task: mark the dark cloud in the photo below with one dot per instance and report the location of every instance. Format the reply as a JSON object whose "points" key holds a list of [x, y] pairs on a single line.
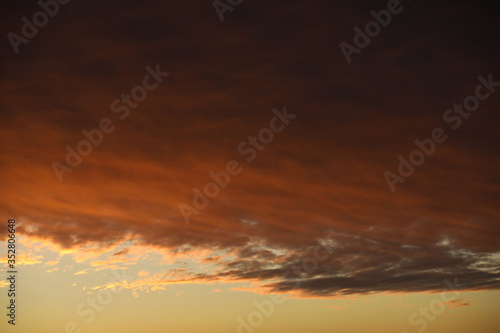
{"points": [[456, 303], [363, 266], [121, 252]]}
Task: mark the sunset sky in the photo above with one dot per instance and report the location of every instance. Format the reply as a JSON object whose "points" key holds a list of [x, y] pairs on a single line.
{"points": [[245, 187]]}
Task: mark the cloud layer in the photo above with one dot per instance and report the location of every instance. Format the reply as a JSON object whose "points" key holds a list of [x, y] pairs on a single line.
{"points": [[321, 178]]}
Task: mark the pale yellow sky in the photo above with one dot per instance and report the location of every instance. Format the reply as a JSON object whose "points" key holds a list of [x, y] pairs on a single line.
{"points": [[132, 292]]}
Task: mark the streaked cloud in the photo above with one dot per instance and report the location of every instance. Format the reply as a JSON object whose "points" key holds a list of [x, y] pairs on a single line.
{"points": [[321, 180]]}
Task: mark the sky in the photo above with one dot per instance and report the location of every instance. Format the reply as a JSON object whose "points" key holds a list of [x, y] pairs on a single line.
{"points": [[250, 166]]}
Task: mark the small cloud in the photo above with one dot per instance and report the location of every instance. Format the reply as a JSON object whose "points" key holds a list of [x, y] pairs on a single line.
{"points": [[32, 228], [445, 241], [52, 262], [80, 272], [143, 273], [457, 303], [30, 259], [121, 252], [249, 222]]}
